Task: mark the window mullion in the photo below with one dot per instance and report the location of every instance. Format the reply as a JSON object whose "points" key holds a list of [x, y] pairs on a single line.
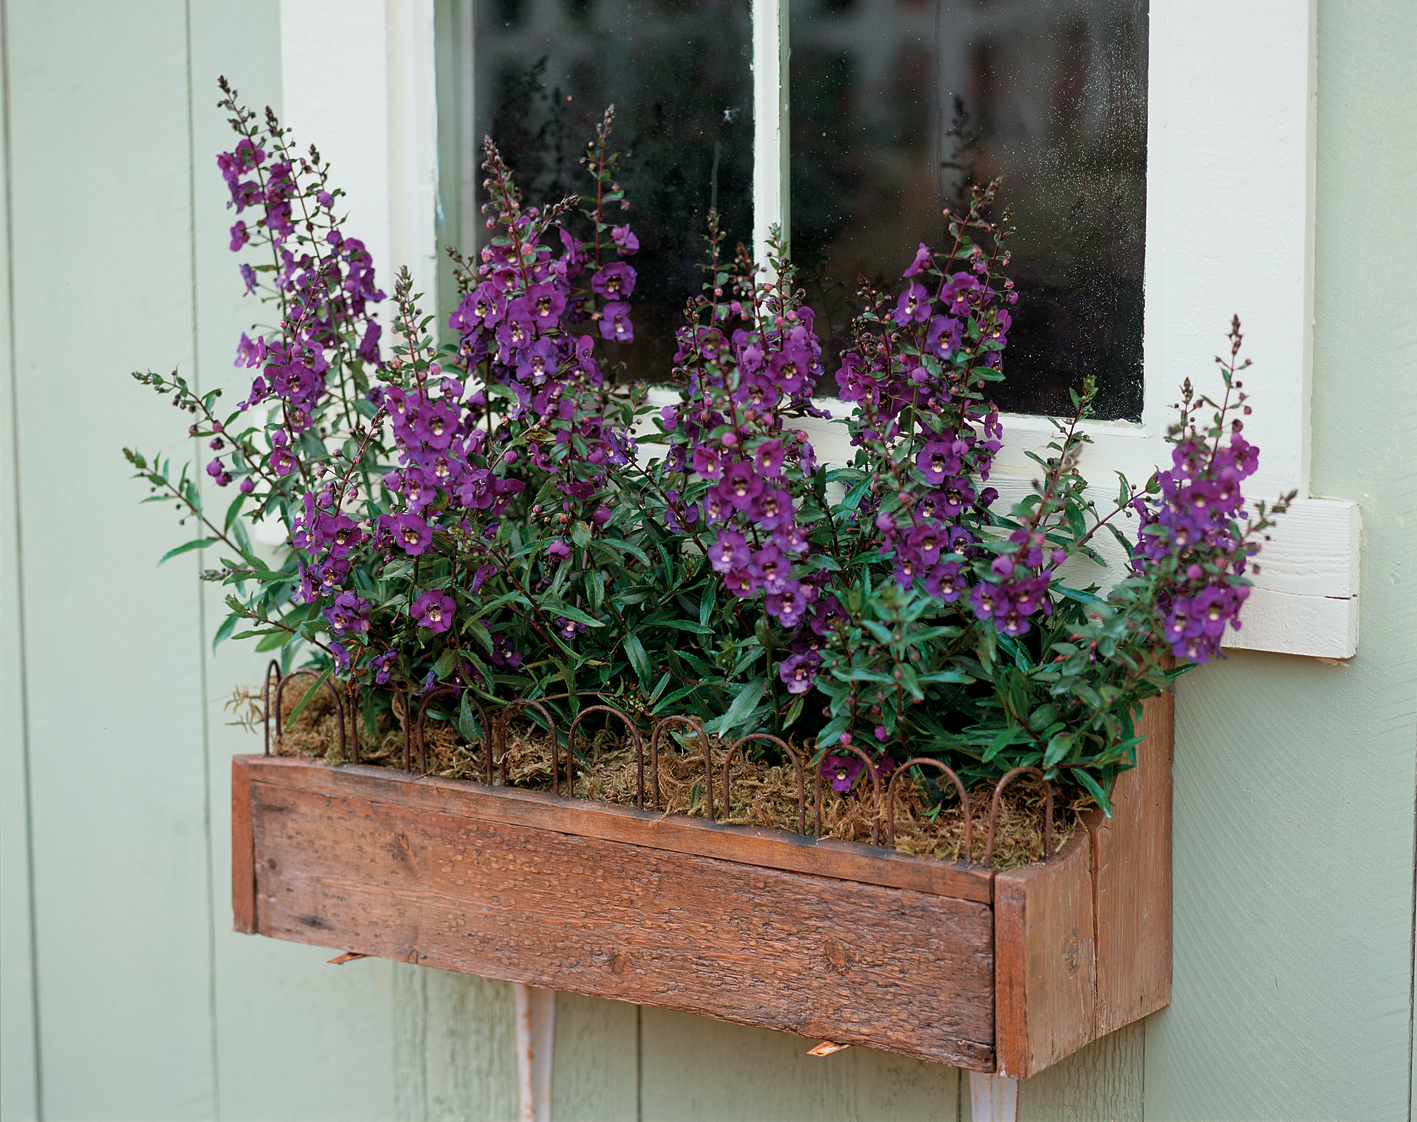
{"points": [[770, 122]]}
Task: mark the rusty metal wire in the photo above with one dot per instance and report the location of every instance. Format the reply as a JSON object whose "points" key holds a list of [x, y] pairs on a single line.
{"points": [[796, 763], [1047, 812], [923, 761], [352, 751], [494, 738], [634, 734], [693, 723]]}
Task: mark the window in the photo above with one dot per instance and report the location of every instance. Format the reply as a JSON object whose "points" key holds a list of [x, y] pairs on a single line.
{"points": [[896, 108], [1228, 228]]}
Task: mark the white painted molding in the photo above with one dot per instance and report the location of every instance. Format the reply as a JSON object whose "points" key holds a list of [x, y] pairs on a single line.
{"points": [[357, 79], [1230, 217]]}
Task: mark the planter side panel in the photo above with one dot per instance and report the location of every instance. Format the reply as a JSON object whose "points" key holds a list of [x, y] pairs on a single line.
{"points": [[1132, 851], [856, 963], [1047, 961], [243, 855]]}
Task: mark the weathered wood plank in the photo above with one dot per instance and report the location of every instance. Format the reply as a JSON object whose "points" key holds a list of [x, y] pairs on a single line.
{"points": [[751, 845], [858, 963], [243, 856], [1132, 858], [1046, 960]]}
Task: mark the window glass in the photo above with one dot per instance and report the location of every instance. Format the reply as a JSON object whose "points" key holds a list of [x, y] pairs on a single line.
{"points": [[679, 75], [899, 106]]}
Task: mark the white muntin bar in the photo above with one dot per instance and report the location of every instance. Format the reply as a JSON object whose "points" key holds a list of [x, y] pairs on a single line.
{"points": [[770, 122]]}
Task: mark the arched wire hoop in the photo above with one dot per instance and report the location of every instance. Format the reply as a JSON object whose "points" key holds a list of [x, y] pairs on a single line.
{"points": [[435, 692], [334, 693], [634, 735], [875, 786], [959, 787], [796, 763], [1047, 811], [507, 710], [698, 728], [272, 667]]}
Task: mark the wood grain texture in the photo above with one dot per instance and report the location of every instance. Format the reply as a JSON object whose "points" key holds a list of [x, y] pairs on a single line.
{"points": [[243, 853], [770, 848], [1046, 955], [1132, 867], [812, 955]]}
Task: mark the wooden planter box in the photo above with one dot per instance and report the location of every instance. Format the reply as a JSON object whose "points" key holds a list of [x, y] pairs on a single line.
{"points": [[951, 962]]}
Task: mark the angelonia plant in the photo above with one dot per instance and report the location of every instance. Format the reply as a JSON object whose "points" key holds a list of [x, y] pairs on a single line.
{"points": [[497, 514]]}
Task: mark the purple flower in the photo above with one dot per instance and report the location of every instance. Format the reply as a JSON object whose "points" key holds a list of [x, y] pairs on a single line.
{"points": [[348, 615], [615, 281], [250, 353], [913, 305], [771, 509], [945, 583], [939, 460], [799, 671], [741, 583], [412, 534], [740, 485], [625, 240], [769, 457], [382, 665], [708, 461], [770, 568], [615, 323], [922, 258], [558, 551], [842, 771], [729, 551], [433, 610]]}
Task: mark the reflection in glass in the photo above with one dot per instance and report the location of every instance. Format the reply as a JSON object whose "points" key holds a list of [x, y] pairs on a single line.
{"points": [[678, 73], [899, 106]]}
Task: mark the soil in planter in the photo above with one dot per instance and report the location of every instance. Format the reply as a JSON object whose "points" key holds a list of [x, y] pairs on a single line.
{"points": [[763, 792]]}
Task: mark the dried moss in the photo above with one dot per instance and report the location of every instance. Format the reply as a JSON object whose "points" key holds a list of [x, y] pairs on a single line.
{"points": [[762, 792]]}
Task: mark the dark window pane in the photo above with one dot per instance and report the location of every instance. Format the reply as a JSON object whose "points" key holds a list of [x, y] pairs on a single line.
{"points": [[678, 73], [899, 106]]}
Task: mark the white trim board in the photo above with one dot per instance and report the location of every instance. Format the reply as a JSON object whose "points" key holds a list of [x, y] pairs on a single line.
{"points": [[1230, 217]]}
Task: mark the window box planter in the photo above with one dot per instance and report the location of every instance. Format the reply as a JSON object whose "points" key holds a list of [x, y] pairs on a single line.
{"points": [[950, 962]]}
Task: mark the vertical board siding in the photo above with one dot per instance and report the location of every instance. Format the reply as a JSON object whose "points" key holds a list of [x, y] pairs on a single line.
{"points": [[696, 1070], [19, 1058], [99, 164]]}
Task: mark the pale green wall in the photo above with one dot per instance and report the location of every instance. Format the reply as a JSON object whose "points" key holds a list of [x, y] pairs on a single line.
{"points": [[1293, 882]]}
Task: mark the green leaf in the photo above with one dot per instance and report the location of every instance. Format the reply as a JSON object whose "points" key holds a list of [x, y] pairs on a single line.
{"points": [[444, 666], [225, 630], [274, 640], [1005, 738], [747, 701], [309, 695], [639, 659], [467, 721], [196, 543]]}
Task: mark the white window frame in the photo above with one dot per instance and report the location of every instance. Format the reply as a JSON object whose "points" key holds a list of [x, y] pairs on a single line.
{"points": [[1229, 229]]}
